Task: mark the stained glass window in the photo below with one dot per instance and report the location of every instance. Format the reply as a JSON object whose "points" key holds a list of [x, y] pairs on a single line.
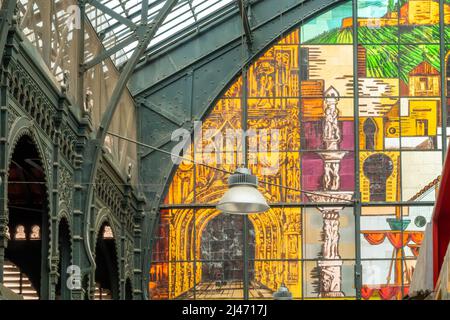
{"points": [[353, 118]]}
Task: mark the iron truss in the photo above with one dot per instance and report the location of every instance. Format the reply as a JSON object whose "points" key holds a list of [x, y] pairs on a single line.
{"points": [[118, 22]]}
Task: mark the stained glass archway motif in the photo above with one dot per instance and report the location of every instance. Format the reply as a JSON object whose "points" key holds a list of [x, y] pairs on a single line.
{"points": [[308, 93]]}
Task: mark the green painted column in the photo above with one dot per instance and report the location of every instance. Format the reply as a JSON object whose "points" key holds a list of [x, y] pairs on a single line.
{"points": [[4, 128], [138, 280], [357, 196]]}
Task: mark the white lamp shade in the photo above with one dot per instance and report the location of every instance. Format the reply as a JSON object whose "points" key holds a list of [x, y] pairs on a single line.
{"points": [[243, 199]]}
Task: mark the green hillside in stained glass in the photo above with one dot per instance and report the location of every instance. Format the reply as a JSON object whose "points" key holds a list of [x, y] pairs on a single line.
{"points": [[386, 62], [334, 36], [382, 61], [419, 34], [411, 56], [388, 35]]}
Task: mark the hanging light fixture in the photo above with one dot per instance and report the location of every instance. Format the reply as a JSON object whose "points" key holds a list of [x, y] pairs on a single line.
{"points": [[283, 293], [243, 197]]}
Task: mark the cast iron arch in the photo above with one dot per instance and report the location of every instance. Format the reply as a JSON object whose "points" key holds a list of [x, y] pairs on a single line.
{"points": [[104, 216], [64, 255], [110, 253], [21, 131]]}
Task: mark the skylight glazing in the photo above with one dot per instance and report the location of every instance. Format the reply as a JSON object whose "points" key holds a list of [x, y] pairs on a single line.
{"points": [[186, 15]]}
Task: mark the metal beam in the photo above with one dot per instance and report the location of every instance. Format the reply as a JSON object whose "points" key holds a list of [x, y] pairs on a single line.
{"points": [[132, 37], [416, 204], [194, 48], [245, 21], [160, 144], [193, 11], [144, 13], [129, 67], [160, 111], [131, 16], [186, 34], [93, 152], [444, 93], [106, 53], [6, 15], [357, 209], [112, 13], [78, 249]]}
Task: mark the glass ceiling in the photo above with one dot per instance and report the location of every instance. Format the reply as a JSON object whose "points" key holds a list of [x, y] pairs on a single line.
{"points": [[186, 16]]}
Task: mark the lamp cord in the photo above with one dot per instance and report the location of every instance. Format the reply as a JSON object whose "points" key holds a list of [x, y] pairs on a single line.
{"points": [[223, 170]]}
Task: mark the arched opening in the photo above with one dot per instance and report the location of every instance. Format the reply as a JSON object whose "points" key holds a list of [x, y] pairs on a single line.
{"points": [[447, 71], [378, 168], [128, 290], [27, 248], [62, 291], [370, 129], [106, 273]]}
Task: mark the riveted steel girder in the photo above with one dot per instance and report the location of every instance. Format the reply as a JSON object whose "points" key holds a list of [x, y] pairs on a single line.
{"points": [[270, 19], [112, 13], [106, 53], [243, 10], [93, 151]]}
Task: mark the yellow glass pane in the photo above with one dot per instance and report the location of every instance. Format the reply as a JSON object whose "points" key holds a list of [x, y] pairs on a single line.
{"points": [[420, 124], [221, 130], [181, 190], [291, 38], [273, 124], [275, 170], [211, 184], [275, 73]]}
